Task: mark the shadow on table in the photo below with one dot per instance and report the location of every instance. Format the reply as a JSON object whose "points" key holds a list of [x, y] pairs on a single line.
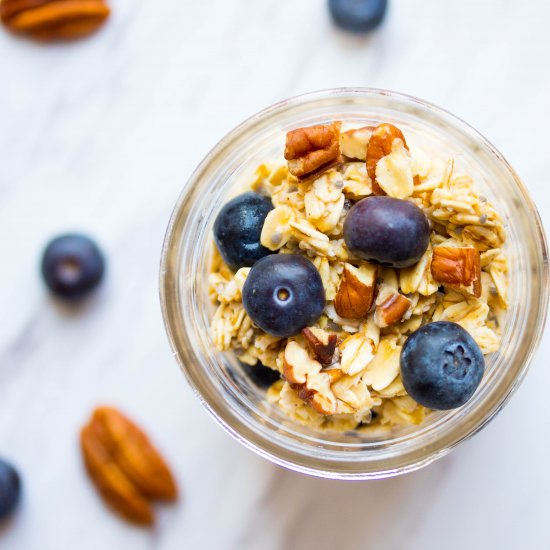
{"points": [[317, 513]]}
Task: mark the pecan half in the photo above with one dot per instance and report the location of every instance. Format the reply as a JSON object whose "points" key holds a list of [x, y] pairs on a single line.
{"points": [[321, 343], [458, 267], [127, 470], [313, 149], [53, 19], [135, 454], [355, 294], [115, 488], [306, 379], [380, 145]]}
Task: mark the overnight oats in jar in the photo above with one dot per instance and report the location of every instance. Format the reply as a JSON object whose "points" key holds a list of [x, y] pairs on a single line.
{"points": [[354, 282], [395, 237]]}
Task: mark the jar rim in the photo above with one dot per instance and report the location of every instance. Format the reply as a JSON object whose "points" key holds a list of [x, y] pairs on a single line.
{"points": [[250, 429]]}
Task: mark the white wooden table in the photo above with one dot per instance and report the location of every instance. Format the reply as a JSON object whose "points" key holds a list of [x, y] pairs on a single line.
{"points": [[100, 136]]}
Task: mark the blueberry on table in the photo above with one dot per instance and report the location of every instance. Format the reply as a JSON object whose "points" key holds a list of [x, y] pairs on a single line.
{"points": [[238, 228], [392, 232], [10, 489], [72, 266], [261, 375], [358, 15], [283, 294], [441, 365]]}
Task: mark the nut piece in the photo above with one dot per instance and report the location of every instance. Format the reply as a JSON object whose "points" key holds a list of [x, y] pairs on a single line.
{"points": [[306, 379], [355, 294], [334, 374], [313, 149], [458, 267], [116, 489], [136, 456], [53, 19], [124, 466], [391, 308], [380, 145], [353, 143], [321, 343], [297, 364]]}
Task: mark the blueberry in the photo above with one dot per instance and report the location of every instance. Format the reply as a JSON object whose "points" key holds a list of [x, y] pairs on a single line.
{"points": [[238, 227], [10, 489], [261, 375], [72, 266], [390, 231], [358, 15], [441, 365], [283, 294]]}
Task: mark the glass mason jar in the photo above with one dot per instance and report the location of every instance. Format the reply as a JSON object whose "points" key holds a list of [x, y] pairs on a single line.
{"points": [[218, 379]]}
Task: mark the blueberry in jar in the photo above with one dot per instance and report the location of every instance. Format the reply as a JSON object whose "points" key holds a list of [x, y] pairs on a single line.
{"points": [[10, 489], [283, 294], [392, 232], [72, 266], [358, 15], [261, 375], [441, 365], [238, 228]]}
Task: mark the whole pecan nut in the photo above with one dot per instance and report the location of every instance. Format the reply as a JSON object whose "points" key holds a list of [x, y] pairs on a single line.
{"points": [[133, 451], [116, 489], [53, 19], [127, 470]]}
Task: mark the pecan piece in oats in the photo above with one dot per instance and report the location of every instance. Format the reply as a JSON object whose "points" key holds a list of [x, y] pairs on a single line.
{"points": [[392, 309], [356, 292], [458, 267], [321, 343], [306, 379], [54, 19], [380, 145], [313, 149]]}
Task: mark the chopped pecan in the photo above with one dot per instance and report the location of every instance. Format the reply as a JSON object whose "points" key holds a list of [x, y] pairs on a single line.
{"points": [[306, 379], [334, 374], [312, 149], [380, 145], [303, 392], [125, 467], [297, 364], [321, 343], [53, 19], [356, 292], [458, 267], [391, 309]]}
